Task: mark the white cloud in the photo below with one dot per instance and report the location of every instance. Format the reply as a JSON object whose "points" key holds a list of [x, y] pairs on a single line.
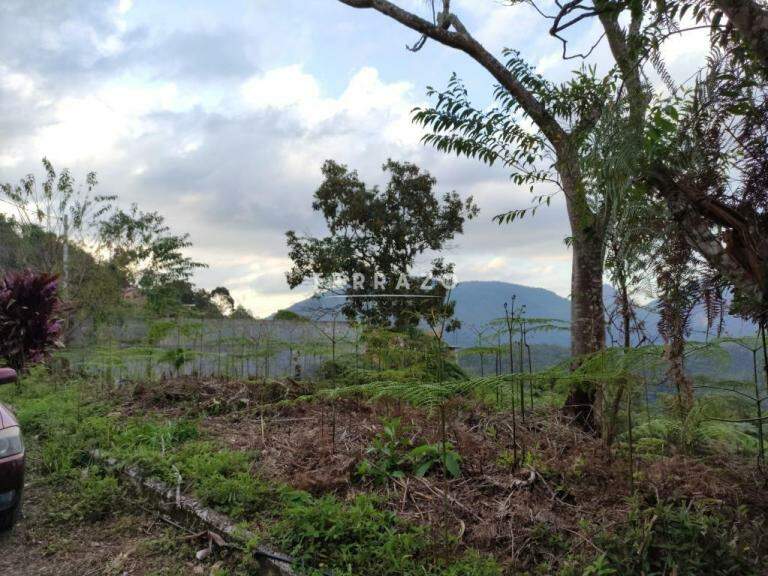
{"points": [[21, 84], [10, 160], [498, 25], [369, 112], [123, 6], [365, 99], [282, 88], [91, 128]]}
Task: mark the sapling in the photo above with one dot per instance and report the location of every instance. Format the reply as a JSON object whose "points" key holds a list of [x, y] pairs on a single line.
{"points": [[509, 319]]}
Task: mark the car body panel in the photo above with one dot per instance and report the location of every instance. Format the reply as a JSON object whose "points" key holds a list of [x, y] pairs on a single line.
{"points": [[7, 418], [7, 375], [12, 477], [11, 467]]}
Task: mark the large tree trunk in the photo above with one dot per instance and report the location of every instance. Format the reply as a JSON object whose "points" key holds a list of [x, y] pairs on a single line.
{"points": [[587, 322], [587, 310]]}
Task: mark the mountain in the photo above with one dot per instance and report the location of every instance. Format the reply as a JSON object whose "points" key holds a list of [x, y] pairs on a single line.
{"points": [[648, 314], [480, 302], [477, 303]]}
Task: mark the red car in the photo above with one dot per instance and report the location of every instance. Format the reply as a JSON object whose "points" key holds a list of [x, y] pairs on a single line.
{"points": [[11, 461]]}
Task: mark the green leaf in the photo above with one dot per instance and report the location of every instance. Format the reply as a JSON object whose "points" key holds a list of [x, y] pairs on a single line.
{"points": [[452, 464], [420, 451], [422, 470]]}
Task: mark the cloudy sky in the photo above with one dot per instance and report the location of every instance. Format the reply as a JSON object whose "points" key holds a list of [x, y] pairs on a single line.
{"points": [[219, 115]]}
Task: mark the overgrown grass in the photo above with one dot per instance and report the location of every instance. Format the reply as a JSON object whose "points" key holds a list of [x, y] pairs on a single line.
{"points": [[675, 538], [360, 536], [357, 537]]}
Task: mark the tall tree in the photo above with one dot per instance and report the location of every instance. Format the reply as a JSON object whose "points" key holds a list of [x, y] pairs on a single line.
{"points": [[718, 134], [56, 216], [376, 237], [152, 257], [223, 300], [564, 117]]}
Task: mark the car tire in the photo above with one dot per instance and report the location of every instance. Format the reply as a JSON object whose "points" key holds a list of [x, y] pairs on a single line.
{"points": [[8, 517]]}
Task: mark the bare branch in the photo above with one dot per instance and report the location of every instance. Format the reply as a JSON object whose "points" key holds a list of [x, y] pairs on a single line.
{"points": [[454, 34]]}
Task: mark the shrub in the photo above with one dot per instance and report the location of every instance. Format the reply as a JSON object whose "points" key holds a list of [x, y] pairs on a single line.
{"points": [[29, 323], [358, 537], [675, 538]]}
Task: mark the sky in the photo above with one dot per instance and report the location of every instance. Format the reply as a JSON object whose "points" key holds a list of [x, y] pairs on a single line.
{"points": [[220, 114]]}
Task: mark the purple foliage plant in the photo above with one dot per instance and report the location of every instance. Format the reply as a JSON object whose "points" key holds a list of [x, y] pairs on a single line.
{"points": [[30, 326]]}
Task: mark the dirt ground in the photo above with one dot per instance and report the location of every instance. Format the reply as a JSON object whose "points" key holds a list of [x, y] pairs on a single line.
{"points": [[516, 512], [130, 541], [522, 514]]}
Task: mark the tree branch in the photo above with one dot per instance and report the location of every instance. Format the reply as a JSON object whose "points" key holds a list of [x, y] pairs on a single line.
{"points": [[453, 33], [750, 18], [627, 58], [697, 214]]}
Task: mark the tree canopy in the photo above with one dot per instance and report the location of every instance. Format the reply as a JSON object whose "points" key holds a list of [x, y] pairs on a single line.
{"points": [[376, 238]]}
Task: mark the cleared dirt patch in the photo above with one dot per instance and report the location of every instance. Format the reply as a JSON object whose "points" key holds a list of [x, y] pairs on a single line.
{"points": [[565, 488], [127, 543]]}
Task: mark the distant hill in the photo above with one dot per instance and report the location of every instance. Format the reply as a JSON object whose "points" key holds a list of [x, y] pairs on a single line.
{"points": [[479, 302]]}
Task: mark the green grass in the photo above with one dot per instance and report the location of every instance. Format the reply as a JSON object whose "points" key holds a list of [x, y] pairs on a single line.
{"points": [[357, 537], [360, 536]]}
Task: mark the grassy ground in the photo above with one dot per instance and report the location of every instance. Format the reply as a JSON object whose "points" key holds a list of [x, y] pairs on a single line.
{"points": [[66, 533], [356, 486]]}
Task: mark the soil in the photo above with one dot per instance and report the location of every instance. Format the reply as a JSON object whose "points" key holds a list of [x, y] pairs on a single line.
{"points": [[131, 541], [522, 514]]}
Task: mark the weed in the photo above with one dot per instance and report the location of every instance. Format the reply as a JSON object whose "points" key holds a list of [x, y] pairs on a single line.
{"points": [[386, 453], [675, 538], [219, 478], [506, 460], [578, 467], [391, 456], [425, 457], [92, 497], [360, 538]]}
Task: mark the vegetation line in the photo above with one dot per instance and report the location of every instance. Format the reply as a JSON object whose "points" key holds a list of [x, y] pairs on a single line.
{"points": [[278, 563]]}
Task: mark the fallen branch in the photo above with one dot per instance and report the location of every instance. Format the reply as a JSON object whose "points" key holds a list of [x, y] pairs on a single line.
{"points": [[515, 484], [273, 563]]}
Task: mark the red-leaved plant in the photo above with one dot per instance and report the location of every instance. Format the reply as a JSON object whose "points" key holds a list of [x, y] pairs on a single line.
{"points": [[29, 317]]}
